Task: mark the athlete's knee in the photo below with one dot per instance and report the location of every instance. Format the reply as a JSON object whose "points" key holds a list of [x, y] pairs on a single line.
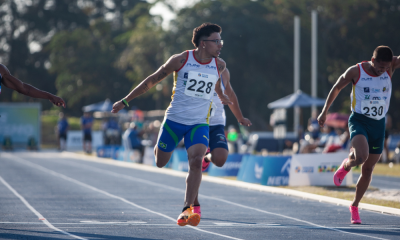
{"points": [[195, 162], [367, 171], [360, 160], [218, 161], [160, 164]]}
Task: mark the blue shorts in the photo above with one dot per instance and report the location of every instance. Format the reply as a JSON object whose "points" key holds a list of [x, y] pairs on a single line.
{"points": [[373, 130], [172, 133], [217, 137]]}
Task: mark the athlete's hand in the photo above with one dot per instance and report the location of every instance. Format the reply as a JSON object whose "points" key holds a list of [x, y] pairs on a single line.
{"points": [[117, 107], [245, 122], [225, 99], [321, 119], [57, 101]]}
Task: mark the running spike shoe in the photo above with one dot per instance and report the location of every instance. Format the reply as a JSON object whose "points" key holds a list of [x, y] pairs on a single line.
{"points": [[355, 217], [196, 209], [340, 174], [188, 217]]}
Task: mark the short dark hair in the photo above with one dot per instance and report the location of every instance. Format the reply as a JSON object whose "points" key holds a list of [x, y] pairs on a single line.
{"points": [[383, 54], [204, 30]]}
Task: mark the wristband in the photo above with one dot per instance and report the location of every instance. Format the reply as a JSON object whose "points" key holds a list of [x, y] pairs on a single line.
{"points": [[125, 102]]}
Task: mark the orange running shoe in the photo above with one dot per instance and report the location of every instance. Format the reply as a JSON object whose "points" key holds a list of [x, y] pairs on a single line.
{"points": [[188, 217]]}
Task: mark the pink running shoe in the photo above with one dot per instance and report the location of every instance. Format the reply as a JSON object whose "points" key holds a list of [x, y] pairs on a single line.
{"points": [[340, 174], [355, 217], [205, 164], [196, 209]]}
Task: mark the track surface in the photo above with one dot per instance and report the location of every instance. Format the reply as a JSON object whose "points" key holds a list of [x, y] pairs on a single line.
{"points": [[50, 196]]}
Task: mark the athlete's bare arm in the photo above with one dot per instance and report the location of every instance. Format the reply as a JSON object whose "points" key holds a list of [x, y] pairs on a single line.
{"points": [[351, 75], [235, 108], [174, 63], [395, 64], [14, 83], [224, 98]]}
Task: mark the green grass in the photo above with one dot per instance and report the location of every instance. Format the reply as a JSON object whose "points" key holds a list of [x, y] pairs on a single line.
{"points": [[346, 193], [383, 169]]}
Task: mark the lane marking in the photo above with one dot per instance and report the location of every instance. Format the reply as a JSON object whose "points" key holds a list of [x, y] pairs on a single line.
{"points": [[211, 198], [40, 216], [256, 187], [15, 158]]}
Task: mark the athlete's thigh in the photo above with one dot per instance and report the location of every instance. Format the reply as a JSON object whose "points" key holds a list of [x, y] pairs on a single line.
{"points": [[171, 133], [217, 138], [196, 134], [360, 144]]}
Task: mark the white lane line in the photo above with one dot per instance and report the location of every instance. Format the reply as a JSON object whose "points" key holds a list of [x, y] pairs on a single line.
{"points": [[212, 198], [240, 184], [110, 195], [40, 216]]}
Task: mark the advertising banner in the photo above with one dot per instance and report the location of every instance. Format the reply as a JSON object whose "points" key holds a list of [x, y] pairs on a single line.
{"points": [[317, 169], [230, 168], [20, 122], [276, 170], [251, 169], [75, 140]]}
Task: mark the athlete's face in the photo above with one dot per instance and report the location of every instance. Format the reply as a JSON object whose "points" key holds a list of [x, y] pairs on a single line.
{"points": [[380, 67], [213, 44]]}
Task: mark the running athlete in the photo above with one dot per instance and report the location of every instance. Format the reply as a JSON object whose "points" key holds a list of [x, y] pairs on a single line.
{"points": [[196, 74], [14, 83], [370, 98], [218, 146]]}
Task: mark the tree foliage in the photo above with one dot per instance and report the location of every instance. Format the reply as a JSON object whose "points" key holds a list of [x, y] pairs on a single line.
{"points": [[89, 50]]}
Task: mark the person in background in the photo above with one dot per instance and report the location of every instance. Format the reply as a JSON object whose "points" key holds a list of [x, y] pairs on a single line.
{"points": [[86, 126], [132, 141], [62, 128]]}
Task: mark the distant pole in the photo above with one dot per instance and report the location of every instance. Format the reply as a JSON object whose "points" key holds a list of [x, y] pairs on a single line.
{"points": [[314, 50], [296, 71]]}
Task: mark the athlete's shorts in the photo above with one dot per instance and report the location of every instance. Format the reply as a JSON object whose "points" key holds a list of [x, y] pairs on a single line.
{"points": [[373, 130], [172, 133], [63, 136], [217, 137]]}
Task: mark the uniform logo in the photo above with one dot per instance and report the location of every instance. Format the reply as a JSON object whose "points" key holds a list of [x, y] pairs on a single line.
{"points": [[366, 89], [375, 147], [366, 79], [193, 65], [205, 137], [204, 75], [376, 98], [211, 67], [162, 145], [375, 90], [384, 98], [185, 75], [367, 97], [384, 89], [384, 78]]}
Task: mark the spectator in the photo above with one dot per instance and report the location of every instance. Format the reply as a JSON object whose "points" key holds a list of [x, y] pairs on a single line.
{"points": [[86, 125], [313, 126], [62, 129], [132, 141], [112, 132]]}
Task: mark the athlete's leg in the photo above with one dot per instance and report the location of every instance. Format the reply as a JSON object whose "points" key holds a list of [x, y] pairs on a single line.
{"points": [[162, 157], [365, 178], [193, 179], [171, 133], [218, 156], [359, 152]]}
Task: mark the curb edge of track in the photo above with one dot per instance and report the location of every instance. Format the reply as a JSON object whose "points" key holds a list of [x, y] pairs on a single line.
{"points": [[252, 186]]}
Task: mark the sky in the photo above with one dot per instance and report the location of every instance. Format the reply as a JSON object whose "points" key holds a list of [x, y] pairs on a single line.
{"points": [[166, 13]]}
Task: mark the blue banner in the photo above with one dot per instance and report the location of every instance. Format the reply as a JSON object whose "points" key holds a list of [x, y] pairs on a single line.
{"points": [[251, 169], [276, 171], [230, 168], [108, 151], [20, 122]]}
